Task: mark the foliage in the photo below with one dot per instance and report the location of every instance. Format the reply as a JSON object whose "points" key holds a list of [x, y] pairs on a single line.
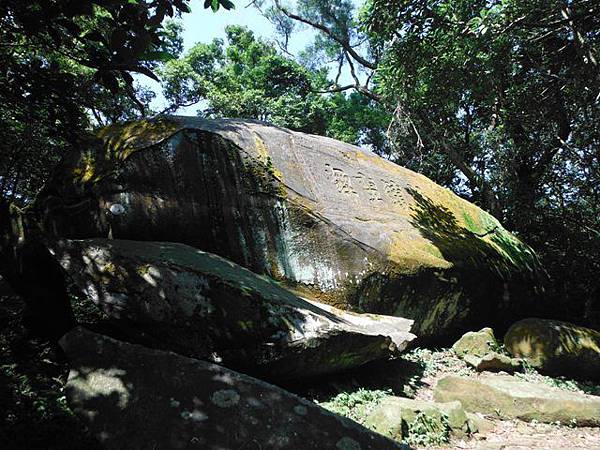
{"points": [[356, 405], [246, 77], [437, 361], [582, 387], [61, 61], [428, 431], [32, 373], [499, 99]]}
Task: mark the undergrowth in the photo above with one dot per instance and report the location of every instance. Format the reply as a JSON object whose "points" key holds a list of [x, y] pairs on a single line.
{"points": [[356, 405], [427, 431]]}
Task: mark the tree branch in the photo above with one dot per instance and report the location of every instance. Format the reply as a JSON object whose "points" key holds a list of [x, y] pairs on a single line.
{"points": [[344, 42]]}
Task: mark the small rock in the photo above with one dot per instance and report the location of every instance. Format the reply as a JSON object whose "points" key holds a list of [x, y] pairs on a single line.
{"points": [[479, 424], [476, 343], [394, 414], [493, 362]]}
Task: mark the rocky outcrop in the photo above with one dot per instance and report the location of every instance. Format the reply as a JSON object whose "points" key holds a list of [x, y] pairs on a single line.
{"points": [[393, 416], [509, 397], [555, 347], [201, 305], [132, 397], [330, 219]]}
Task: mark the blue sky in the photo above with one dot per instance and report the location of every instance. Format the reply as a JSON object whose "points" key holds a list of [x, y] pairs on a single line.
{"points": [[202, 25]]}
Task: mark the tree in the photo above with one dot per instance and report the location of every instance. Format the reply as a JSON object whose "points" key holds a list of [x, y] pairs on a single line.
{"points": [[489, 84], [247, 77], [60, 60]]}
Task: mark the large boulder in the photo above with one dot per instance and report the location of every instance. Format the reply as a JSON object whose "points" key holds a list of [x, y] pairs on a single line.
{"points": [[332, 220], [510, 397], [202, 305], [555, 347], [132, 397]]}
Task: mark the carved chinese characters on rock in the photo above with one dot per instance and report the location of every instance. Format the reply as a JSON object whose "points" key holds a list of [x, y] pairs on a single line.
{"points": [[341, 180], [392, 192], [369, 187]]}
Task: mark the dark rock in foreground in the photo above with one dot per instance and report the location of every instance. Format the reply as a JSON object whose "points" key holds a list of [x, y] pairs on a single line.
{"points": [[204, 306], [132, 397], [329, 218]]}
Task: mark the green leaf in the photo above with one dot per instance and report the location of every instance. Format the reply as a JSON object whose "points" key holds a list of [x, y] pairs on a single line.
{"points": [[227, 4], [145, 71], [157, 56], [215, 5]]}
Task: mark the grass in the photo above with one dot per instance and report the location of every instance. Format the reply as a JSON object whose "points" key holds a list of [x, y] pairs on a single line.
{"points": [[356, 405]]}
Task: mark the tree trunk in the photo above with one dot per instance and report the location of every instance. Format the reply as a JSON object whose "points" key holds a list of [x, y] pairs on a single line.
{"points": [[28, 267]]}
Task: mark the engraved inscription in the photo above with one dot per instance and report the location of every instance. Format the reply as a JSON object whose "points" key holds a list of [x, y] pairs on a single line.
{"points": [[340, 179], [369, 187], [394, 192]]}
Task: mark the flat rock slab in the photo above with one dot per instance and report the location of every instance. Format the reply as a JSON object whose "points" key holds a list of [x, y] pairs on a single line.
{"points": [[325, 216], [132, 397], [204, 306], [493, 362], [507, 396]]}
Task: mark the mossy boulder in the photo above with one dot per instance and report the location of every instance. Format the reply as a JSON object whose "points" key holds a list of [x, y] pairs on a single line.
{"points": [[333, 221], [476, 343], [393, 416], [509, 397], [555, 347], [133, 397], [180, 298]]}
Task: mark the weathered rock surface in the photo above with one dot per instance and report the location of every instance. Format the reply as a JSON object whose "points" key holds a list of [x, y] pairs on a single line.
{"points": [[132, 397], [555, 347], [329, 218], [204, 306], [393, 416], [513, 398], [493, 362], [476, 343]]}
